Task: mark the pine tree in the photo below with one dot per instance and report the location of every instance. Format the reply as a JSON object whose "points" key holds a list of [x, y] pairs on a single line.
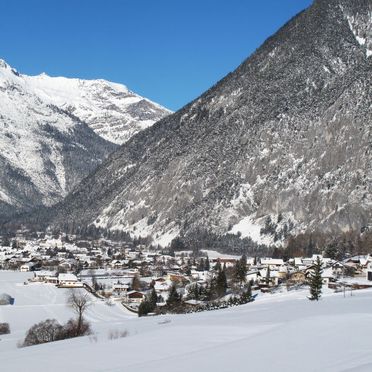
{"points": [[201, 265], [193, 291], [206, 264], [144, 308], [249, 289], [247, 294], [268, 275], [240, 270], [174, 298], [221, 283], [136, 284], [315, 281], [153, 299], [217, 266]]}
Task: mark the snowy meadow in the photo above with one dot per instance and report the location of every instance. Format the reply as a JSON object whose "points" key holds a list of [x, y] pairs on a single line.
{"points": [[282, 332]]}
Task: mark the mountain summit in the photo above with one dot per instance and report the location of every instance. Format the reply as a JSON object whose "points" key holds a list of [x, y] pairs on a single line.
{"points": [[287, 135], [110, 109], [51, 133]]}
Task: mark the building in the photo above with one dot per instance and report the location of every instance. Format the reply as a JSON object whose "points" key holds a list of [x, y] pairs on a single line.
{"points": [[68, 281], [135, 297], [28, 266]]}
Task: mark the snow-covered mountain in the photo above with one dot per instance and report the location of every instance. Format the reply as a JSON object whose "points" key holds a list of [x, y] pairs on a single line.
{"points": [[54, 131], [110, 109], [44, 150], [287, 135]]}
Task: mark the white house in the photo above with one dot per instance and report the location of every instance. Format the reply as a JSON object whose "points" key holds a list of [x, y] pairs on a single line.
{"points": [[120, 289], [272, 262], [27, 266], [69, 280], [135, 297], [45, 276]]}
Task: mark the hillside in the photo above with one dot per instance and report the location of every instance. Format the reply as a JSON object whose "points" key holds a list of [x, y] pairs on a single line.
{"points": [[276, 332], [287, 135]]}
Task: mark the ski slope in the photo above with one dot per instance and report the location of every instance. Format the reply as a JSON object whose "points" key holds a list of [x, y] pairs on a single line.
{"points": [[282, 332]]}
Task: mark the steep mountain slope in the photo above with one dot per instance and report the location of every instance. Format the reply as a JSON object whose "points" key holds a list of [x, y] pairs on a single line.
{"points": [[44, 150], [287, 133], [110, 109], [45, 142]]}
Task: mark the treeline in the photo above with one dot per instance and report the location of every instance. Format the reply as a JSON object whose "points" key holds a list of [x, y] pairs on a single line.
{"points": [[228, 243], [332, 246], [93, 232]]}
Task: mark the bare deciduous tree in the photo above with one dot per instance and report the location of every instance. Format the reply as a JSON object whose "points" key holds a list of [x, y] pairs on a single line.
{"points": [[79, 301]]}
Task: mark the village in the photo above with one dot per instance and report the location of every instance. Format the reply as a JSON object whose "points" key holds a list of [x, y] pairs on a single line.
{"points": [[131, 273]]}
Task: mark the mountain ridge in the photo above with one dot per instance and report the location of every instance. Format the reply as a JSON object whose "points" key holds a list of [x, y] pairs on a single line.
{"points": [[286, 134], [49, 139], [112, 110]]}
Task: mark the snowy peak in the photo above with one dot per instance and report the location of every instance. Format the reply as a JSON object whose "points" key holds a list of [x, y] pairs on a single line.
{"points": [[110, 109], [54, 131]]}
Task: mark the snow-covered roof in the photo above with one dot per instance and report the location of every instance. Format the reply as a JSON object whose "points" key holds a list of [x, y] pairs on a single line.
{"points": [[272, 261], [67, 277]]}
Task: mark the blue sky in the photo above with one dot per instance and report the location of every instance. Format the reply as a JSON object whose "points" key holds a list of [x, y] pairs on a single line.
{"points": [[167, 50]]}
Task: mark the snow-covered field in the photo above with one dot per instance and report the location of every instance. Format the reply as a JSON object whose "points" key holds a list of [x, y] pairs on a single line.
{"points": [[280, 332], [37, 301]]}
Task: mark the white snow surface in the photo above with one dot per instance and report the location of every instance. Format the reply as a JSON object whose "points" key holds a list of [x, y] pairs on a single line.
{"points": [[214, 254], [281, 332], [247, 228]]}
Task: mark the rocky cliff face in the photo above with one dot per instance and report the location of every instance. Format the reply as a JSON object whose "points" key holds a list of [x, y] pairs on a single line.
{"points": [[287, 134]]}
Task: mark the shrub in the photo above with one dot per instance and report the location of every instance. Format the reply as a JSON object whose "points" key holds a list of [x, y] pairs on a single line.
{"points": [[115, 334], [73, 329], [4, 329], [40, 333], [50, 330]]}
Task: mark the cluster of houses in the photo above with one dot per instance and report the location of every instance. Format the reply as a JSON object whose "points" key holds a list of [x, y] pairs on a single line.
{"points": [[126, 272]]}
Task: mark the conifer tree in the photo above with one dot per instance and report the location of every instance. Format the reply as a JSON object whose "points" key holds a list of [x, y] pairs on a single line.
{"points": [[221, 283], [153, 298], [268, 275], [249, 289], [201, 265], [174, 298], [315, 281], [144, 308], [217, 266], [136, 284], [247, 294], [206, 264], [240, 270]]}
